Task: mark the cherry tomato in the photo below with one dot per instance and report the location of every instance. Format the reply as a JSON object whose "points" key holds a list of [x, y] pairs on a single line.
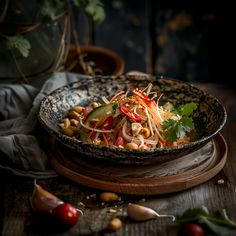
{"points": [[107, 124], [119, 141], [191, 229], [66, 214]]}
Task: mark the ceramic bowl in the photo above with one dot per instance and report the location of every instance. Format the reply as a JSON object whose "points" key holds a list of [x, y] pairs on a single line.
{"points": [[209, 118]]}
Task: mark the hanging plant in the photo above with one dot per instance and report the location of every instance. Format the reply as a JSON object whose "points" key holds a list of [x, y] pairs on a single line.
{"points": [[24, 24]]}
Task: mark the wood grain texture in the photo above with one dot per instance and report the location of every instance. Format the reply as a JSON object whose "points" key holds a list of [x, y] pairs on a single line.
{"points": [[169, 177]]}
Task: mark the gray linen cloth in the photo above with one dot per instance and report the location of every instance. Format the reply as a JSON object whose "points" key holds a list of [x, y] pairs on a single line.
{"points": [[20, 151]]}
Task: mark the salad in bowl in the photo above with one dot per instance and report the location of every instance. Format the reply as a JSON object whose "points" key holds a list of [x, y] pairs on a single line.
{"points": [[129, 120]]}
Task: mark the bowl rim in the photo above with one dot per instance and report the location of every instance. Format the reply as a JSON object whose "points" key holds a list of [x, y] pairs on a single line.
{"points": [[164, 150]]}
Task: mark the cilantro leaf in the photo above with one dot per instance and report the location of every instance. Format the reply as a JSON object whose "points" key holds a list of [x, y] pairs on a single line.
{"points": [[177, 128], [171, 129], [186, 109], [20, 43], [115, 106]]}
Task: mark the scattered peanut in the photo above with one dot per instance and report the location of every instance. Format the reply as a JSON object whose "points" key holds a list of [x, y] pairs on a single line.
{"points": [[115, 224], [131, 146], [77, 109], [74, 122], [143, 147], [67, 131], [95, 105], [112, 210], [93, 196], [142, 200], [145, 132], [109, 197], [66, 122], [74, 115], [73, 128], [220, 181]]}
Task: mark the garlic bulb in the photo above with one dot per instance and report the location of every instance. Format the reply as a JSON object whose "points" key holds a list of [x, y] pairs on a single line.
{"points": [[141, 213], [43, 201]]}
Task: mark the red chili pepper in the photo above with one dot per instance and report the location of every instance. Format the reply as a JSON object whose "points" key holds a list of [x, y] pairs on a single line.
{"points": [[129, 113], [143, 96]]}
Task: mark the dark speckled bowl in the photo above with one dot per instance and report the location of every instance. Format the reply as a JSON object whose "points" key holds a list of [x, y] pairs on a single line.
{"points": [[209, 118]]}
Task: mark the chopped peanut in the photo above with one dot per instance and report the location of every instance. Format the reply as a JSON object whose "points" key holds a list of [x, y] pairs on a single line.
{"points": [[115, 224]]}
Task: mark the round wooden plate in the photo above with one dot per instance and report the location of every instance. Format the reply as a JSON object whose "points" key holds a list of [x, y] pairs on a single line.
{"points": [[172, 176]]}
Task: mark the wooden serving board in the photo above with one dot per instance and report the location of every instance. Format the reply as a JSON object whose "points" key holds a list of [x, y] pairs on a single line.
{"points": [[172, 176]]}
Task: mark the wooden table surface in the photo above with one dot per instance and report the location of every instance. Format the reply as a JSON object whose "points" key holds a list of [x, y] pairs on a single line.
{"points": [[16, 217]]}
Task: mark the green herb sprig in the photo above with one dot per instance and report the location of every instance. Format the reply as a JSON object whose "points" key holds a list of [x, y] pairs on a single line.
{"points": [[177, 128], [217, 222]]}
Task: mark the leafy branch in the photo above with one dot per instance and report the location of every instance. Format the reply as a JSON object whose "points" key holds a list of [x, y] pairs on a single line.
{"points": [[93, 8], [49, 10]]}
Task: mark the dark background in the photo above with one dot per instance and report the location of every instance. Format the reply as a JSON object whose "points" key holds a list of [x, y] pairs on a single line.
{"points": [[186, 40]]}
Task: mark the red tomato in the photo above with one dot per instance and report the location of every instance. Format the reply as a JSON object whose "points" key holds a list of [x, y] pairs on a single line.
{"points": [[107, 124], [191, 229], [67, 214], [119, 141]]}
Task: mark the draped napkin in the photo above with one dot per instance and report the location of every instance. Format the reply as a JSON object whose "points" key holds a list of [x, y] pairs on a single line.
{"points": [[20, 150]]}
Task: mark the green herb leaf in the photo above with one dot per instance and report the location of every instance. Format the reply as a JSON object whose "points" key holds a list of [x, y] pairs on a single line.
{"points": [[115, 106], [218, 221], [95, 9], [192, 214], [77, 2], [170, 127], [50, 9], [20, 43], [176, 129], [186, 109]]}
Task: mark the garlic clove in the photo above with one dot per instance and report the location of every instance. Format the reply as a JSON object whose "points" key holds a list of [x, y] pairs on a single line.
{"points": [[141, 213], [42, 200]]}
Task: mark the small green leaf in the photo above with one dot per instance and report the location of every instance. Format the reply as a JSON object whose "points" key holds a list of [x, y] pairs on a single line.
{"points": [[193, 214], [20, 43], [95, 9], [50, 9], [170, 127], [186, 109], [176, 129], [77, 3], [217, 222], [115, 106]]}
